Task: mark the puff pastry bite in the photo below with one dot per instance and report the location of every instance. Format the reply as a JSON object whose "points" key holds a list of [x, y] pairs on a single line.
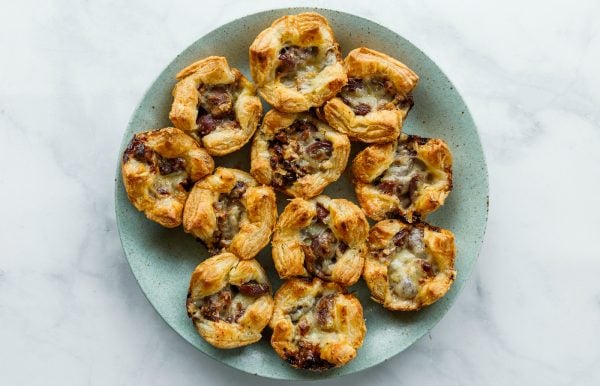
{"points": [[215, 104], [409, 266], [159, 167], [322, 237], [408, 178], [229, 211], [316, 325], [296, 62], [298, 154], [229, 300], [374, 103]]}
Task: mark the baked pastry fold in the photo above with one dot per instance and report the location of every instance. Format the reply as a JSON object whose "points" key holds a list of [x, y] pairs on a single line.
{"points": [[409, 266], [230, 212], [296, 63], [159, 168], [376, 100], [321, 237], [316, 325], [298, 154], [408, 178], [229, 300], [216, 105]]}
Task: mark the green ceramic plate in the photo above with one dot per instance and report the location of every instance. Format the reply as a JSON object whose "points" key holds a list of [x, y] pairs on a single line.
{"points": [[163, 259]]}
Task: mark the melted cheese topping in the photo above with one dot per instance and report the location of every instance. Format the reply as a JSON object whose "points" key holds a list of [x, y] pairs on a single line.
{"points": [[307, 68], [372, 93], [330, 246], [240, 301], [406, 269], [404, 274], [300, 149], [235, 309], [305, 314], [169, 184], [405, 167], [234, 213], [304, 160]]}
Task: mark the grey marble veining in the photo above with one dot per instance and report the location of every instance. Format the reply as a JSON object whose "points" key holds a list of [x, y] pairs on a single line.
{"points": [[71, 74]]}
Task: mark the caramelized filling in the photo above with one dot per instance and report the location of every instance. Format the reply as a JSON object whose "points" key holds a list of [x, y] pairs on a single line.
{"points": [[230, 303], [299, 65], [373, 94], [172, 176], [409, 263], [229, 211], [310, 317], [297, 151], [321, 248], [216, 108], [406, 175]]}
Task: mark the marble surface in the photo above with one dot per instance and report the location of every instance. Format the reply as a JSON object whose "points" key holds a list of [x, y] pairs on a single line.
{"points": [[71, 73]]}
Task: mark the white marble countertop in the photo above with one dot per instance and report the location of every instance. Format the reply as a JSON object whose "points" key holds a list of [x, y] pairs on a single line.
{"points": [[71, 73]]}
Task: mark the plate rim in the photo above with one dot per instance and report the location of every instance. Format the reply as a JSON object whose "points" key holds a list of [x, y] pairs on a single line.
{"points": [[303, 375]]}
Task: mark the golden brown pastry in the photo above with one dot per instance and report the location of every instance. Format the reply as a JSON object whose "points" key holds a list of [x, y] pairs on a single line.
{"points": [[296, 63], [409, 266], [322, 237], [228, 211], [374, 103], [215, 104], [298, 154], [159, 167], [229, 300], [316, 325], [408, 178]]}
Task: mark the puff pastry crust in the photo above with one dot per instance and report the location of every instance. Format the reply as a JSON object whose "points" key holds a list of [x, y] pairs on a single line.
{"points": [[215, 104], [316, 325], [229, 300], [407, 178], [409, 266], [296, 63], [298, 154], [322, 237], [377, 98], [159, 167], [230, 212]]}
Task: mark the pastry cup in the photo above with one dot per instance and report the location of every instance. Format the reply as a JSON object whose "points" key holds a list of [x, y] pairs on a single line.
{"points": [[373, 105], [408, 178], [158, 168], [296, 63], [229, 301], [316, 325], [298, 154], [321, 237], [230, 212], [216, 105], [409, 266]]}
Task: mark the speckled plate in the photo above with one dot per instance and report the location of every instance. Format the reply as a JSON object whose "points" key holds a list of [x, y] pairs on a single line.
{"points": [[163, 259]]}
